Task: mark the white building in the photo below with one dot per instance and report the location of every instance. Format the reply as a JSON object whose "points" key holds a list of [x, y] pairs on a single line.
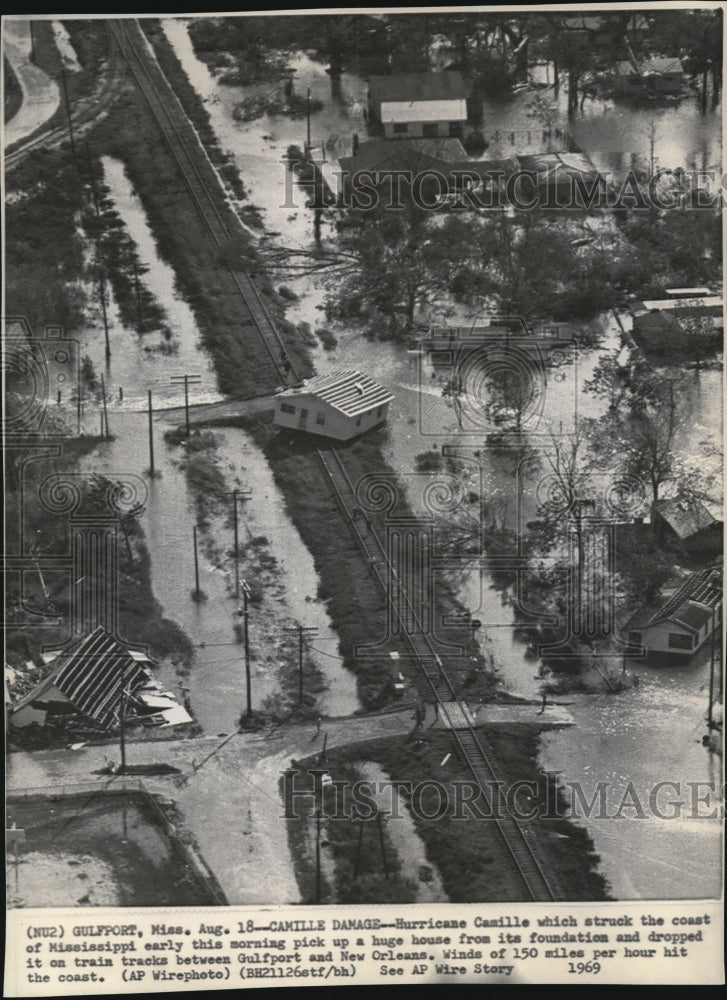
{"points": [[685, 621], [340, 405], [419, 105]]}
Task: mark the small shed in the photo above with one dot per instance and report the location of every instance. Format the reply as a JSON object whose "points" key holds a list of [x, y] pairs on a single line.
{"points": [[419, 104], [688, 523], [685, 621], [340, 405]]}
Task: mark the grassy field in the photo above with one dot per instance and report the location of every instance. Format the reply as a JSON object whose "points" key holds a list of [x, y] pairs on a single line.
{"points": [[97, 850]]}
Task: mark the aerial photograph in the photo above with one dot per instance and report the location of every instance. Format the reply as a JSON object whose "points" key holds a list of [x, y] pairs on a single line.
{"points": [[362, 428]]}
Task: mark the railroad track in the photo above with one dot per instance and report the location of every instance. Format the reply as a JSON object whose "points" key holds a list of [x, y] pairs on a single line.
{"points": [[200, 178], [85, 110], [467, 742], [174, 125]]}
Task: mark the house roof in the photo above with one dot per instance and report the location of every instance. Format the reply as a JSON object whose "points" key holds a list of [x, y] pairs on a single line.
{"points": [[690, 605], [446, 86], [685, 519], [548, 165], [405, 154], [348, 391], [691, 616], [89, 673]]}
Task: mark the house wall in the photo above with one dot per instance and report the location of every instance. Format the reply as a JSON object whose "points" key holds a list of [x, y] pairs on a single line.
{"points": [[29, 714], [655, 638], [335, 424], [420, 130]]}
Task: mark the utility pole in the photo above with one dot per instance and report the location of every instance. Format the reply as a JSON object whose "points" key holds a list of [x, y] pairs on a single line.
{"points": [[357, 859], [246, 635], [144, 267], [68, 112], [381, 842], [105, 411], [318, 852], [122, 729], [151, 440], [102, 290], [187, 380], [710, 719], [301, 629], [196, 562], [307, 115], [236, 495]]}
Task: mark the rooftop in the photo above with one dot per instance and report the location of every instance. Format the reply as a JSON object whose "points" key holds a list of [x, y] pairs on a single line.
{"points": [[446, 86], [685, 518], [90, 673], [346, 390]]}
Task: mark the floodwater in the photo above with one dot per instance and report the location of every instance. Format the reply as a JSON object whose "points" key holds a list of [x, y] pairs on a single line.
{"points": [[216, 683], [65, 47], [217, 680], [405, 840], [41, 96], [149, 361], [645, 734]]}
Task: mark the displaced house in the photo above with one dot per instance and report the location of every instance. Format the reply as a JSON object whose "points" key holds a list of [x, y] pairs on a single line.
{"points": [[420, 105], [340, 405], [85, 684], [657, 75], [689, 524], [685, 621], [659, 321], [562, 180]]}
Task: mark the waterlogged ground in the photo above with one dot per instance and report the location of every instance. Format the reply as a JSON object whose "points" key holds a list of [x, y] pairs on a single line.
{"points": [[649, 733], [41, 95]]}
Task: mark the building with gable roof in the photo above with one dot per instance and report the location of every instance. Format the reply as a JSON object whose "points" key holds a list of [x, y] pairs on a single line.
{"points": [[340, 405], [685, 621], [419, 105]]}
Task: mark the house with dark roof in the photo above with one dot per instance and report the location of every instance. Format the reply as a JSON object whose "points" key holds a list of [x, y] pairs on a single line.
{"points": [[689, 524], [656, 75], [85, 683], [340, 405], [419, 105], [685, 621]]}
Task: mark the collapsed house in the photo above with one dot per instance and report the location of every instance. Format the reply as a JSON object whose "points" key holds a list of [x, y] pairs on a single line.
{"points": [[90, 683]]}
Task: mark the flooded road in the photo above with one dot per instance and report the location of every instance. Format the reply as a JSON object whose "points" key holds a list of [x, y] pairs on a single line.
{"points": [[142, 362], [41, 95]]}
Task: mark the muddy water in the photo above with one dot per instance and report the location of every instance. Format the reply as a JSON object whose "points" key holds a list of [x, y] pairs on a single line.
{"points": [[216, 683], [650, 733], [41, 96], [65, 47], [405, 840], [145, 362]]}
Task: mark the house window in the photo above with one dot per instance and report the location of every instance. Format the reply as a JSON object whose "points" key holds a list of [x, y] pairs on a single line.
{"points": [[320, 418], [430, 130], [455, 128], [400, 128], [635, 638], [303, 414], [679, 641], [287, 408], [358, 420], [379, 411]]}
